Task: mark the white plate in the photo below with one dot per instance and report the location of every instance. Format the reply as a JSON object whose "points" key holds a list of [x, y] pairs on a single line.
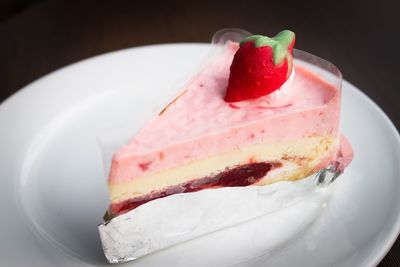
{"points": [[53, 190]]}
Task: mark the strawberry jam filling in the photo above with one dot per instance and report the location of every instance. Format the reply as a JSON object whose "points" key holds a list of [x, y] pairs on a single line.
{"points": [[242, 175]]}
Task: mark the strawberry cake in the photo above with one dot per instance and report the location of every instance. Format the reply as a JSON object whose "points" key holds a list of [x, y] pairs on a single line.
{"points": [[252, 116], [237, 123]]}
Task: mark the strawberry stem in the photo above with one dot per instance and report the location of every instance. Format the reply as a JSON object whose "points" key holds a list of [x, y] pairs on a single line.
{"points": [[279, 44]]}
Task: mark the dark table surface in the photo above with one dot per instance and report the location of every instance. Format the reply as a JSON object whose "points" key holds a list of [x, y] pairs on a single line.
{"points": [[361, 38]]}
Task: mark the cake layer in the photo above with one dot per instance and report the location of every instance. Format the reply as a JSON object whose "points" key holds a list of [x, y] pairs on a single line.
{"points": [[200, 124], [242, 175], [296, 159]]}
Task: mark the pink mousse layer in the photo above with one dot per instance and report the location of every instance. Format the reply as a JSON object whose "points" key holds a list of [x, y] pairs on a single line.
{"points": [[200, 123]]}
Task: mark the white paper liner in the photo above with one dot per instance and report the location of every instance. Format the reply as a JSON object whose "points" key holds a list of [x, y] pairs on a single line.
{"points": [[172, 220]]}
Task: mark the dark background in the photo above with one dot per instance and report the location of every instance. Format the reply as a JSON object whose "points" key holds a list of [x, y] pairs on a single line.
{"points": [[360, 37]]}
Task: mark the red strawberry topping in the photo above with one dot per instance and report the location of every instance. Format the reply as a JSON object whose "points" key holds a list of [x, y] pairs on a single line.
{"points": [[260, 66]]}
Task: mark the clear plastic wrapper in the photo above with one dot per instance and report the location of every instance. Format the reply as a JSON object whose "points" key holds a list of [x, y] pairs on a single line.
{"points": [[177, 218]]}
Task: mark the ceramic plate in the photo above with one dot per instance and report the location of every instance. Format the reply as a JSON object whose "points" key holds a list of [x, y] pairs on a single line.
{"points": [[53, 188]]}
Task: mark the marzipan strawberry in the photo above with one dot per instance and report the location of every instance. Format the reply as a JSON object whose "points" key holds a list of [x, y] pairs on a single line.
{"points": [[260, 66]]}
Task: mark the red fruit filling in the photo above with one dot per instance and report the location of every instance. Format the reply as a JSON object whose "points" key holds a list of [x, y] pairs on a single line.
{"points": [[243, 175]]}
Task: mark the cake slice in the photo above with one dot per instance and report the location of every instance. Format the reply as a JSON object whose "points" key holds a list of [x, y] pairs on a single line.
{"points": [[253, 116]]}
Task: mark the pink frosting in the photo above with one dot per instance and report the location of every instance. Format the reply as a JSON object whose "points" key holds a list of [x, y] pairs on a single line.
{"points": [[200, 123]]}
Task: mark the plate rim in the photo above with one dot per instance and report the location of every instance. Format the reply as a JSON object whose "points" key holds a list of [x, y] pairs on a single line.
{"points": [[395, 233]]}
